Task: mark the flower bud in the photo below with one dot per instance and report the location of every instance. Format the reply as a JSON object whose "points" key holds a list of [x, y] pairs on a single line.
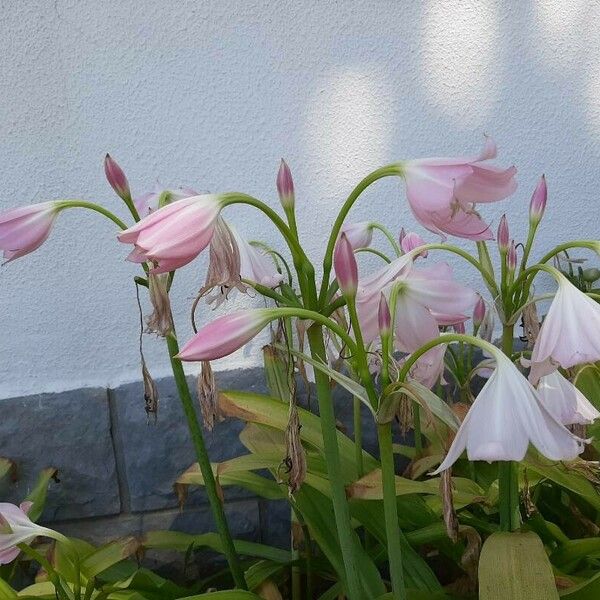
{"points": [[285, 186], [116, 178], [411, 240], [384, 317], [345, 266], [511, 257], [538, 202], [479, 312], [503, 234]]}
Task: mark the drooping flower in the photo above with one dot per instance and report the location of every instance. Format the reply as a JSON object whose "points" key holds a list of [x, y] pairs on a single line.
{"points": [[159, 197], [344, 263], [442, 192], [569, 333], [564, 401], [25, 229], [360, 235], [175, 234], [255, 264], [225, 335], [17, 528], [505, 418]]}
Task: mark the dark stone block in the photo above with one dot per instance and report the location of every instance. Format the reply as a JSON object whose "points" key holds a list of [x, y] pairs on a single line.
{"points": [[153, 455], [69, 431], [275, 523]]}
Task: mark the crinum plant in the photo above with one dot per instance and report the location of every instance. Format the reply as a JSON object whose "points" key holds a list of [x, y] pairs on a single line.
{"points": [[395, 338]]}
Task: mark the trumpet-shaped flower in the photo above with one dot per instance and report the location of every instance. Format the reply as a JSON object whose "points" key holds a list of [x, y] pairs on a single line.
{"points": [[25, 229], [564, 401], [17, 528], [442, 192], [569, 333], [360, 235], [160, 196], [175, 234], [226, 334], [255, 264], [505, 418]]}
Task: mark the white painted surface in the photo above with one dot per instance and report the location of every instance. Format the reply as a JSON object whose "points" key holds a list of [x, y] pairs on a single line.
{"points": [[212, 94]]}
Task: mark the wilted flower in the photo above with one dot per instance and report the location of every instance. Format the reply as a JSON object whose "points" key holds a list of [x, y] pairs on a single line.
{"points": [[506, 416], [25, 229], [569, 333], [160, 320], [175, 234], [442, 192]]}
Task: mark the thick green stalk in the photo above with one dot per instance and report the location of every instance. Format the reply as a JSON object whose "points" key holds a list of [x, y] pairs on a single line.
{"points": [[332, 457], [204, 463], [95, 207], [508, 473], [390, 508]]}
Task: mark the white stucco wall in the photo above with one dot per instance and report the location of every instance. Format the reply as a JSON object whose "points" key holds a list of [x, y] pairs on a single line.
{"points": [[211, 94]]}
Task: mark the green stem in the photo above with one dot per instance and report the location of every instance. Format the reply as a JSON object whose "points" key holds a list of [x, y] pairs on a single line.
{"points": [[95, 207], [390, 508], [204, 463], [508, 473], [389, 236], [375, 252], [61, 590], [358, 438], [334, 471], [387, 171]]}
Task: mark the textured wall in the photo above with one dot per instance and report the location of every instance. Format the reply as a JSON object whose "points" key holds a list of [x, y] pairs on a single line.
{"points": [[212, 94]]}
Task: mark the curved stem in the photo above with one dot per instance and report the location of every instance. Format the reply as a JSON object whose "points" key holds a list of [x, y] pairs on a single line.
{"points": [[375, 252], [589, 244], [204, 462], [389, 236], [263, 290], [387, 171], [95, 207]]}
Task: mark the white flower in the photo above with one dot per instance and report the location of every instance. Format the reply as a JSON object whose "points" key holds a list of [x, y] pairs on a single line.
{"points": [[506, 416], [564, 401]]}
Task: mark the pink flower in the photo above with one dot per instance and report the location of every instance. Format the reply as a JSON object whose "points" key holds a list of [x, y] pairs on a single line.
{"points": [[23, 230], [344, 263], [538, 202], [17, 528], [384, 317], [255, 264], [442, 192], [175, 234], [564, 401], [503, 234], [505, 418], [569, 333], [225, 335], [285, 186], [479, 312], [158, 197], [360, 235], [116, 178], [511, 257], [411, 240]]}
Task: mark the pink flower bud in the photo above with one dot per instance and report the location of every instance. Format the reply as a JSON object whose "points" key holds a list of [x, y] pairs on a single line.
{"points": [[384, 317], [285, 186], [538, 202], [503, 234], [116, 178], [411, 240], [479, 312], [511, 257], [226, 334], [345, 266]]}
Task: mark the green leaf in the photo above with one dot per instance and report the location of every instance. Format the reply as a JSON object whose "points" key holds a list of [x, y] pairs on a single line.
{"points": [[227, 595], [260, 571], [514, 566], [108, 555], [576, 550], [6, 592], [7, 467], [39, 492], [175, 540], [588, 590]]}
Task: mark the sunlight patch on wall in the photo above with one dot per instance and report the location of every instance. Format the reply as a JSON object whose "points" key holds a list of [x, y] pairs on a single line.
{"points": [[349, 121], [459, 57]]}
